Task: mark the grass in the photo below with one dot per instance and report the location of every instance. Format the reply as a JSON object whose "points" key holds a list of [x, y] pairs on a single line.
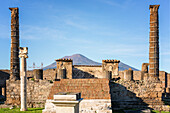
{"points": [[39, 110], [17, 110], [154, 111]]}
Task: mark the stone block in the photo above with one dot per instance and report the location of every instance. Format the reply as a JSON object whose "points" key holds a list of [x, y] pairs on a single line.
{"points": [[67, 96]]}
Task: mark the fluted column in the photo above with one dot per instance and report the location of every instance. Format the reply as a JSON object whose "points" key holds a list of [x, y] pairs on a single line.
{"points": [[23, 55], [14, 60], [154, 42]]}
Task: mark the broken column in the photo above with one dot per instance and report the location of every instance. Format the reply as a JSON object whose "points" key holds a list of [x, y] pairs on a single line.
{"points": [[154, 42], [14, 60], [64, 68], [110, 68], [23, 55], [145, 67]]}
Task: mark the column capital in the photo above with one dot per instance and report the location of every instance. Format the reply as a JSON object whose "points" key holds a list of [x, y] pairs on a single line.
{"points": [[154, 7], [23, 52], [14, 9]]}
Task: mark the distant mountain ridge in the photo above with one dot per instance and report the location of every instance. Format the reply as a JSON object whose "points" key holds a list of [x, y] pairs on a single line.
{"points": [[79, 59]]}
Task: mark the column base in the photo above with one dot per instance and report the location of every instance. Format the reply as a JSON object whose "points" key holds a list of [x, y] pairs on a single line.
{"points": [[23, 109]]}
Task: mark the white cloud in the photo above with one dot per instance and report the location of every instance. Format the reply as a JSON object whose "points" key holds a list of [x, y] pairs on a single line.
{"points": [[77, 25], [120, 4], [5, 31], [36, 32], [128, 50]]}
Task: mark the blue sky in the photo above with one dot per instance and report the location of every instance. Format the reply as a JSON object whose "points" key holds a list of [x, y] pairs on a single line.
{"points": [[98, 29]]}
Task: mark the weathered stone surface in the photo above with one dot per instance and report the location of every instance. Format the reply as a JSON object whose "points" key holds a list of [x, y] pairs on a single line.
{"points": [[14, 60], [37, 92], [23, 55], [154, 42], [145, 67], [128, 75], [64, 68], [110, 68]]}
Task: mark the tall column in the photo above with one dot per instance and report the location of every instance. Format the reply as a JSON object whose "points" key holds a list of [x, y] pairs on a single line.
{"points": [[23, 55], [14, 60], [154, 42]]}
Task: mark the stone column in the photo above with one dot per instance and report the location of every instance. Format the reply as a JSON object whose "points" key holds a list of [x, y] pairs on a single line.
{"points": [[14, 60], [23, 55], [154, 42]]}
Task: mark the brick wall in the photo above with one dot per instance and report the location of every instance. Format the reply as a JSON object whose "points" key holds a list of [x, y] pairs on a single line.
{"points": [[89, 88]]}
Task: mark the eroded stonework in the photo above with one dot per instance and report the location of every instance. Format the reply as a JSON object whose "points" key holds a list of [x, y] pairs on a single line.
{"points": [[14, 60]]}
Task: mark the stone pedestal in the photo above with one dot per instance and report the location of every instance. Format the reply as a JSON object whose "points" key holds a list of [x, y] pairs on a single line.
{"points": [[64, 103], [23, 55]]}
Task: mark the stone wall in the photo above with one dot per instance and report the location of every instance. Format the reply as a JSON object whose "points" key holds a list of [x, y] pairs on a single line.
{"points": [[137, 94], [4, 75], [49, 74], [87, 71], [168, 80], [37, 92], [122, 94], [30, 74]]}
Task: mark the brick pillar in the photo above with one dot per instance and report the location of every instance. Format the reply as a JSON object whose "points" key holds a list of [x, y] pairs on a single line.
{"points": [[64, 68], [128, 75], [154, 42], [110, 68], [145, 67], [14, 60]]}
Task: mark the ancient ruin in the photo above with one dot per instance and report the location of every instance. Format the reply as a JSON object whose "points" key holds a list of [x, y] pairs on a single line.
{"points": [[154, 42], [23, 55], [15, 63], [103, 87]]}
